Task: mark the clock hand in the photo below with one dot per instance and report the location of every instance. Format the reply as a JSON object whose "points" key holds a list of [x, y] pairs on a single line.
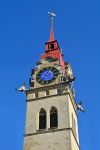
{"points": [[48, 72]]}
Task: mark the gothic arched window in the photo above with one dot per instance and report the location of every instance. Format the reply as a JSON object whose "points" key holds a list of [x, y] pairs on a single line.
{"points": [[74, 127], [72, 122], [53, 117], [42, 119]]}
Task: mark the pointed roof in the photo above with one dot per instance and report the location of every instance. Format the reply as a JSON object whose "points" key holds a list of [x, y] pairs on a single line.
{"points": [[52, 49], [51, 32], [52, 15]]}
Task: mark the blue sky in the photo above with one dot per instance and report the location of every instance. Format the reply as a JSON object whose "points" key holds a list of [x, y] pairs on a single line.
{"points": [[24, 28]]}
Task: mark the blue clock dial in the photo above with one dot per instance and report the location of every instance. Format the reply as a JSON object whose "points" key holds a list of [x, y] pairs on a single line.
{"points": [[47, 75]]}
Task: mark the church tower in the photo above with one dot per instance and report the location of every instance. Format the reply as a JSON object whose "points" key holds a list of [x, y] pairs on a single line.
{"points": [[51, 116]]}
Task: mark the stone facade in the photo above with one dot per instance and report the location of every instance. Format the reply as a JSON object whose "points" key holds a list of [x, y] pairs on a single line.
{"points": [[58, 140], [62, 137]]}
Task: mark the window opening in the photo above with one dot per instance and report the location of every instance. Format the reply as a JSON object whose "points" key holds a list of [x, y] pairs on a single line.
{"points": [[51, 46], [59, 91], [53, 118], [74, 127], [36, 95], [42, 119], [47, 92]]}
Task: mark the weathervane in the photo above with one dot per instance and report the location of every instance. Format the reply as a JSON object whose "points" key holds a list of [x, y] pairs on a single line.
{"points": [[52, 15]]}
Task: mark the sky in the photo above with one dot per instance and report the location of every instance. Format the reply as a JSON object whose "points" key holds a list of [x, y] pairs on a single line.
{"points": [[24, 29]]}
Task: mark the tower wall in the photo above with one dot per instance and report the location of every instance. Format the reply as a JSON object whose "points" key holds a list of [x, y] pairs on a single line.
{"points": [[33, 108], [57, 140], [61, 138], [73, 117], [49, 139], [74, 144]]}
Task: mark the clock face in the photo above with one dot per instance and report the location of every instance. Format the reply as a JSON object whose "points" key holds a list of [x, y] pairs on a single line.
{"points": [[47, 75]]}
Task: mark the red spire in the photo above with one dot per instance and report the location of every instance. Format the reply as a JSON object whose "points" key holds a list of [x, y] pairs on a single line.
{"points": [[52, 15], [51, 32], [52, 49]]}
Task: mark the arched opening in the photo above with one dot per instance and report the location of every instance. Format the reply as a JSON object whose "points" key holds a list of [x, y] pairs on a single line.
{"points": [[42, 119], [72, 122], [53, 117], [74, 127]]}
